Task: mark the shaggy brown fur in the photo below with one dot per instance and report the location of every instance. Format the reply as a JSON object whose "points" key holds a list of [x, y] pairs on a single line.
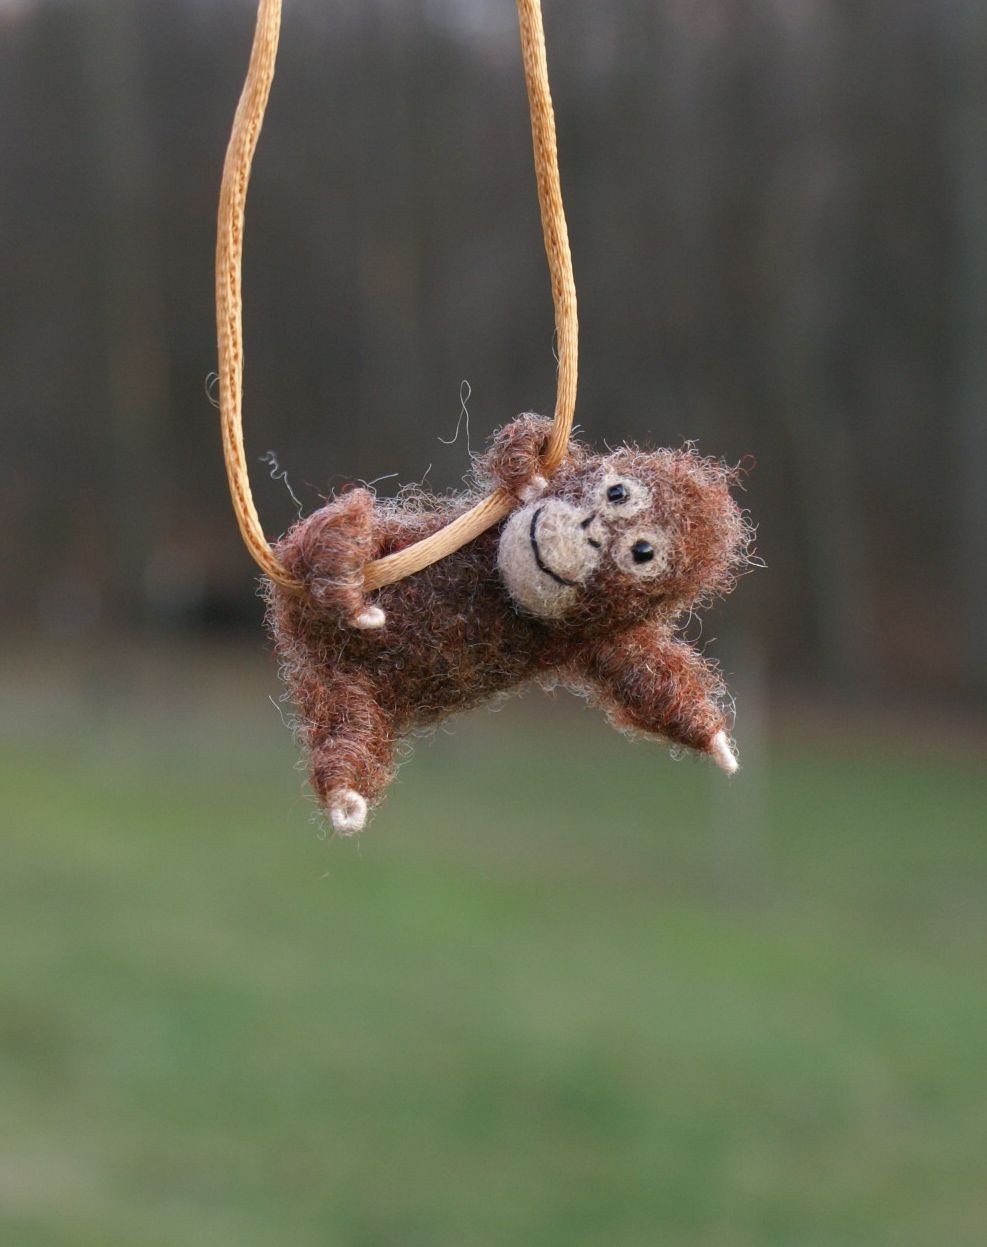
{"points": [[455, 636]]}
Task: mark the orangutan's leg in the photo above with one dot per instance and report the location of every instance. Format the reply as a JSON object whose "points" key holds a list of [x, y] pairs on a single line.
{"points": [[351, 749]]}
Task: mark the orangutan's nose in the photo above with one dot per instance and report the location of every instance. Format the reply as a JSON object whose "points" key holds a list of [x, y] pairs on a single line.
{"points": [[585, 525]]}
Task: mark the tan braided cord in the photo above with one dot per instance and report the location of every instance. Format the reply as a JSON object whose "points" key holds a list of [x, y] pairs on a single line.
{"points": [[229, 315]]}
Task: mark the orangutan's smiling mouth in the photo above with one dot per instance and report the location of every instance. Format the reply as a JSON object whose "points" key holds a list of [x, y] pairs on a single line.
{"points": [[542, 566]]}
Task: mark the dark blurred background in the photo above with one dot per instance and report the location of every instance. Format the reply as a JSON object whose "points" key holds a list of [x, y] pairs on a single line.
{"points": [[777, 214], [714, 1014]]}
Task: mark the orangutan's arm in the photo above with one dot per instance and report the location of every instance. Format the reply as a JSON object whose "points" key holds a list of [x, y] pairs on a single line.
{"points": [[647, 681], [327, 553], [512, 461]]}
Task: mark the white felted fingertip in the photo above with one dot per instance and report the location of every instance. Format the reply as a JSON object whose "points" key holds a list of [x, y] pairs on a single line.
{"points": [[369, 618], [722, 754], [348, 811], [534, 489]]}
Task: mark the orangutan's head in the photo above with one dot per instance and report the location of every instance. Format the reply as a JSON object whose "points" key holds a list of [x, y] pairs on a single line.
{"points": [[623, 535]]}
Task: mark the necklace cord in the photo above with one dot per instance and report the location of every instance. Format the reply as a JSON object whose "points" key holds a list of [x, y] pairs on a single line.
{"points": [[229, 301]]}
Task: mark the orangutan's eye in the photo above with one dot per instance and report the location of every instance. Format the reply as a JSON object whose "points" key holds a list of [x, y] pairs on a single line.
{"points": [[644, 555], [618, 497]]}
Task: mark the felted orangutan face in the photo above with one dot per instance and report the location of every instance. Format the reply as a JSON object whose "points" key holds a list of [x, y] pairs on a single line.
{"points": [[640, 527], [551, 549]]}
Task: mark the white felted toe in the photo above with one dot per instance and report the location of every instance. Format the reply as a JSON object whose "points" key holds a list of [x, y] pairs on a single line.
{"points": [[370, 617], [722, 754], [348, 811]]}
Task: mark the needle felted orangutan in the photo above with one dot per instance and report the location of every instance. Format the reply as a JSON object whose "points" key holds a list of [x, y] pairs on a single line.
{"points": [[583, 585]]}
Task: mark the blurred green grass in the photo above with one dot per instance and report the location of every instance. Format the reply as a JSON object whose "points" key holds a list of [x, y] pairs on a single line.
{"points": [[564, 991]]}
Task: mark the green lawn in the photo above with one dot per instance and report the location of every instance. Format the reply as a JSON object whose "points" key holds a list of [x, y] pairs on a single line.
{"points": [[564, 991]]}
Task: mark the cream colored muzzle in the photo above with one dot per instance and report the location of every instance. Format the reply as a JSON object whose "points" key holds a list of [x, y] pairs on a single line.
{"points": [[547, 551]]}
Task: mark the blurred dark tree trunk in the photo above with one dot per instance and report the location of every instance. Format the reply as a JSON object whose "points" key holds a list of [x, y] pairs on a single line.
{"points": [[967, 48], [132, 314], [390, 234], [812, 216]]}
